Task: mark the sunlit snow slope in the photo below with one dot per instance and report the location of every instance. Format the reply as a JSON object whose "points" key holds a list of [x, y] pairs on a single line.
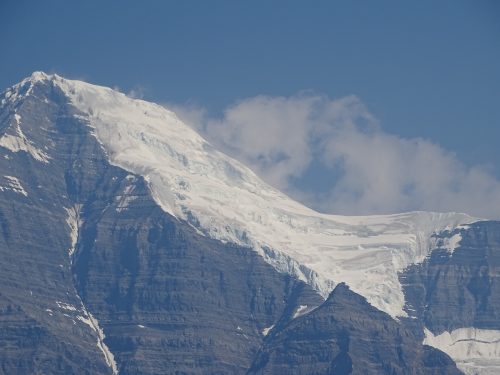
{"points": [[225, 200]]}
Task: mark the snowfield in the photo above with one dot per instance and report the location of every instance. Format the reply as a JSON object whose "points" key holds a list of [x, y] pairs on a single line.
{"points": [[476, 351], [225, 200]]}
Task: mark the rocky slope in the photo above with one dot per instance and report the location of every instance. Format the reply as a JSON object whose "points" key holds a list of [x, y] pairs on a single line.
{"points": [[346, 335], [455, 294]]}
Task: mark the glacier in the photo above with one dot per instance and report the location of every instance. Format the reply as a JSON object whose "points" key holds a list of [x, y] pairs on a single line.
{"points": [[476, 351], [225, 200]]}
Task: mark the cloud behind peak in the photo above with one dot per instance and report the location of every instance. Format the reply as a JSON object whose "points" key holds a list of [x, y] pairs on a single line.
{"points": [[292, 142]]}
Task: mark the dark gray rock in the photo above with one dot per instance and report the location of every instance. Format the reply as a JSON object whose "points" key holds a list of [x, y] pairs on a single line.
{"points": [[170, 300], [460, 289], [346, 335], [37, 335]]}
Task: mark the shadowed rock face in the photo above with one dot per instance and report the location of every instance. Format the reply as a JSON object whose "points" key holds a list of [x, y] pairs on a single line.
{"points": [[454, 297], [172, 301], [346, 335], [37, 335], [459, 289]]}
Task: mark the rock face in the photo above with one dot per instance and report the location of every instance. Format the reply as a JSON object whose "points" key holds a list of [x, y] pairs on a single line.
{"points": [[43, 324], [458, 288], [454, 295], [346, 335], [170, 300]]}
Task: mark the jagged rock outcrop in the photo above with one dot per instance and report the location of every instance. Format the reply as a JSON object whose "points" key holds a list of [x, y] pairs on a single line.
{"points": [[43, 325], [346, 335], [459, 287], [453, 297], [170, 300]]}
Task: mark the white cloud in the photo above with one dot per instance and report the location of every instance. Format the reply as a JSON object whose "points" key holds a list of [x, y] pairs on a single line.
{"points": [[376, 172], [136, 92]]}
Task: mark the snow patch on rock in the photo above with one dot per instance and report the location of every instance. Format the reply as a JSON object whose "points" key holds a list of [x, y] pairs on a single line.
{"points": [[14, 185], [93, 323], [17, 141], [301, 310], [266, 330], [73, 220]]}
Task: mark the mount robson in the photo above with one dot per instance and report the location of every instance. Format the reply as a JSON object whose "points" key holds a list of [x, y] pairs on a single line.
{"points": [[130, 245]]}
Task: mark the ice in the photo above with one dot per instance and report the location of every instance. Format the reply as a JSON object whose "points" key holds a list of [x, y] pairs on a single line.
{"points": [[66, 306], [92, 322], [74, 222], [448, 243], [126, 198], [476, 351], [225, 200]]}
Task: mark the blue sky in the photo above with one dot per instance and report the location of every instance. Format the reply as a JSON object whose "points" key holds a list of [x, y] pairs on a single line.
{"points": [[423, 69]]}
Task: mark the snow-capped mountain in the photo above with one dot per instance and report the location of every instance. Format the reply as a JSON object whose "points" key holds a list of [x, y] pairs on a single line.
{"points": [[110, 174], [225, 200]]}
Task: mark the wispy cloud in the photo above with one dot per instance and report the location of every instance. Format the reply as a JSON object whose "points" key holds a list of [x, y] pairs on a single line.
{"points": [[375, 172], [137, 92]]}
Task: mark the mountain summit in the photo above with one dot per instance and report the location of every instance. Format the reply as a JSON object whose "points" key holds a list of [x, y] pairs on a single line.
{"points": [[225, 200], [122, 225]]}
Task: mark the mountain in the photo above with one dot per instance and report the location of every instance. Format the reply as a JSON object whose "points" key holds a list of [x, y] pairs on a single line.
{"points": [[343, 336], [455, 294], [131, 245]]}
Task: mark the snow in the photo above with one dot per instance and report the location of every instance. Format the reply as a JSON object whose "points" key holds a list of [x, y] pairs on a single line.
{"points": [[73, 221], [94, 325], [476, 351], [126, 198], [14, 185], [66, 306], [449, 242], [225, 200], [18, 142], [266, 331], [301, 310]]}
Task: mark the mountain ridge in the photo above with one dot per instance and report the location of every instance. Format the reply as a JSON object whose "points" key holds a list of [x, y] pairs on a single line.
{"points": [[119, 284], [225, 200]]}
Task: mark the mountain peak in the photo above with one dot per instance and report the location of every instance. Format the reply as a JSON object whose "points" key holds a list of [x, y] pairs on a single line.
{"points": [[223, 199], [36, 77], [41, 76]]}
